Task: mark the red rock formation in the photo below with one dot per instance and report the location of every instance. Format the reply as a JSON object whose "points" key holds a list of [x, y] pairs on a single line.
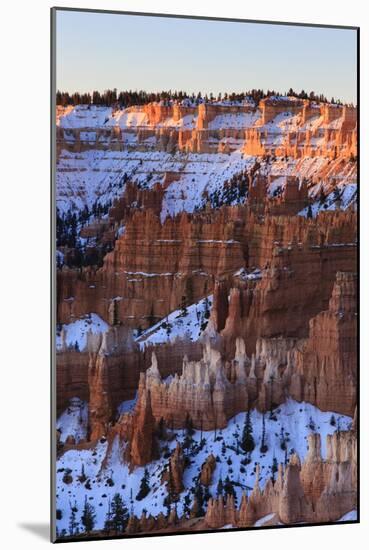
{"points": [[77, 371], [293, 505], [271, 107], [174, 475], [100, 409], [274, 304], [327, 365], [202, 393], [207, 470], [318, 491], [143, 446]]}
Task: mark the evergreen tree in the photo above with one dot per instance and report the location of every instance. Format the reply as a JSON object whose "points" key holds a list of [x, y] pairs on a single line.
{"points": [[274, 468], [283, 440], [151, 318], [144, 486], [115, 313], [263, 446], [309, 213], [117, 516], [73, 523], [88, 517], [107, 523], [183, 307], [199, 498], [220, 487], [186, 504], [82, 478], [247, 442], [229, 488], [161, 430]]}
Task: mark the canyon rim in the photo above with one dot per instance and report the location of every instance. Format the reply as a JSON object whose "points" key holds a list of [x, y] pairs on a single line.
{"points": [[206, 279]]}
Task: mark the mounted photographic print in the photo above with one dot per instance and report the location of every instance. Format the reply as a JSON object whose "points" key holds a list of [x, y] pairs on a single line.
{"points": [[204, 365]]}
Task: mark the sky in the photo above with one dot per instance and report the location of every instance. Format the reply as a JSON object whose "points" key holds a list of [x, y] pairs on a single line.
{"points": [[98, 51]]}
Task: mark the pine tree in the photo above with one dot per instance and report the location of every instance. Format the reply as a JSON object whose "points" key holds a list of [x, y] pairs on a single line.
{"points": [[144, 486], [115, 313], [247, 442], [207, 308], [229, 488], [220, 487], [263, 446], [309, 213], [82, 478], [186, 504], [199, 498], [88, 517], [283, 440], [274, 468], [107, 523], [183, 307], [73, 523], [151, 318], [117, 516]]}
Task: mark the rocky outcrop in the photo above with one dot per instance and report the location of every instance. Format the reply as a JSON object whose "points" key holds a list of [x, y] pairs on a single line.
{"points": [[319, 490], [271, 303], [202, 393], [207, 470], [173, 476], [326, 366], [142, 446], [100, 408]]}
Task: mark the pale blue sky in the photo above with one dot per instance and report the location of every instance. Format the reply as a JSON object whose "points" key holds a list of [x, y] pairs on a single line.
{"points": [[100, 51]]}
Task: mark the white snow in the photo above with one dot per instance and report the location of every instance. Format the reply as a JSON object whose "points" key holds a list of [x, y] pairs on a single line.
{"points": [[178, 324], [243, 274], [263, 520], [73, 422], [350, 516], [347, 194], [77, 331], [276, 184], [85, 116], [295, 418], [128, 405], [128, 118], [234, 120]]}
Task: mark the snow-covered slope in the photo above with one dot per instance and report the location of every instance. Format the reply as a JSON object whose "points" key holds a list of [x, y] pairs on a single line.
{"points": [[343, 196], [188, 323], [73, 422], [85, 116], [75, 333], [291, 423]]}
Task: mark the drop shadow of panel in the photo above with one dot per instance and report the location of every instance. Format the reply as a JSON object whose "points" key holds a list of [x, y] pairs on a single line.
{"points": [[41, 530]]}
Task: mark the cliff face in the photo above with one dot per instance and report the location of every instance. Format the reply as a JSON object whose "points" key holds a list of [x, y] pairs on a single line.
{"points": [[316, 130], [327, 365], [104, 374], [178, 258], [294, 255], [186, 254]]}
